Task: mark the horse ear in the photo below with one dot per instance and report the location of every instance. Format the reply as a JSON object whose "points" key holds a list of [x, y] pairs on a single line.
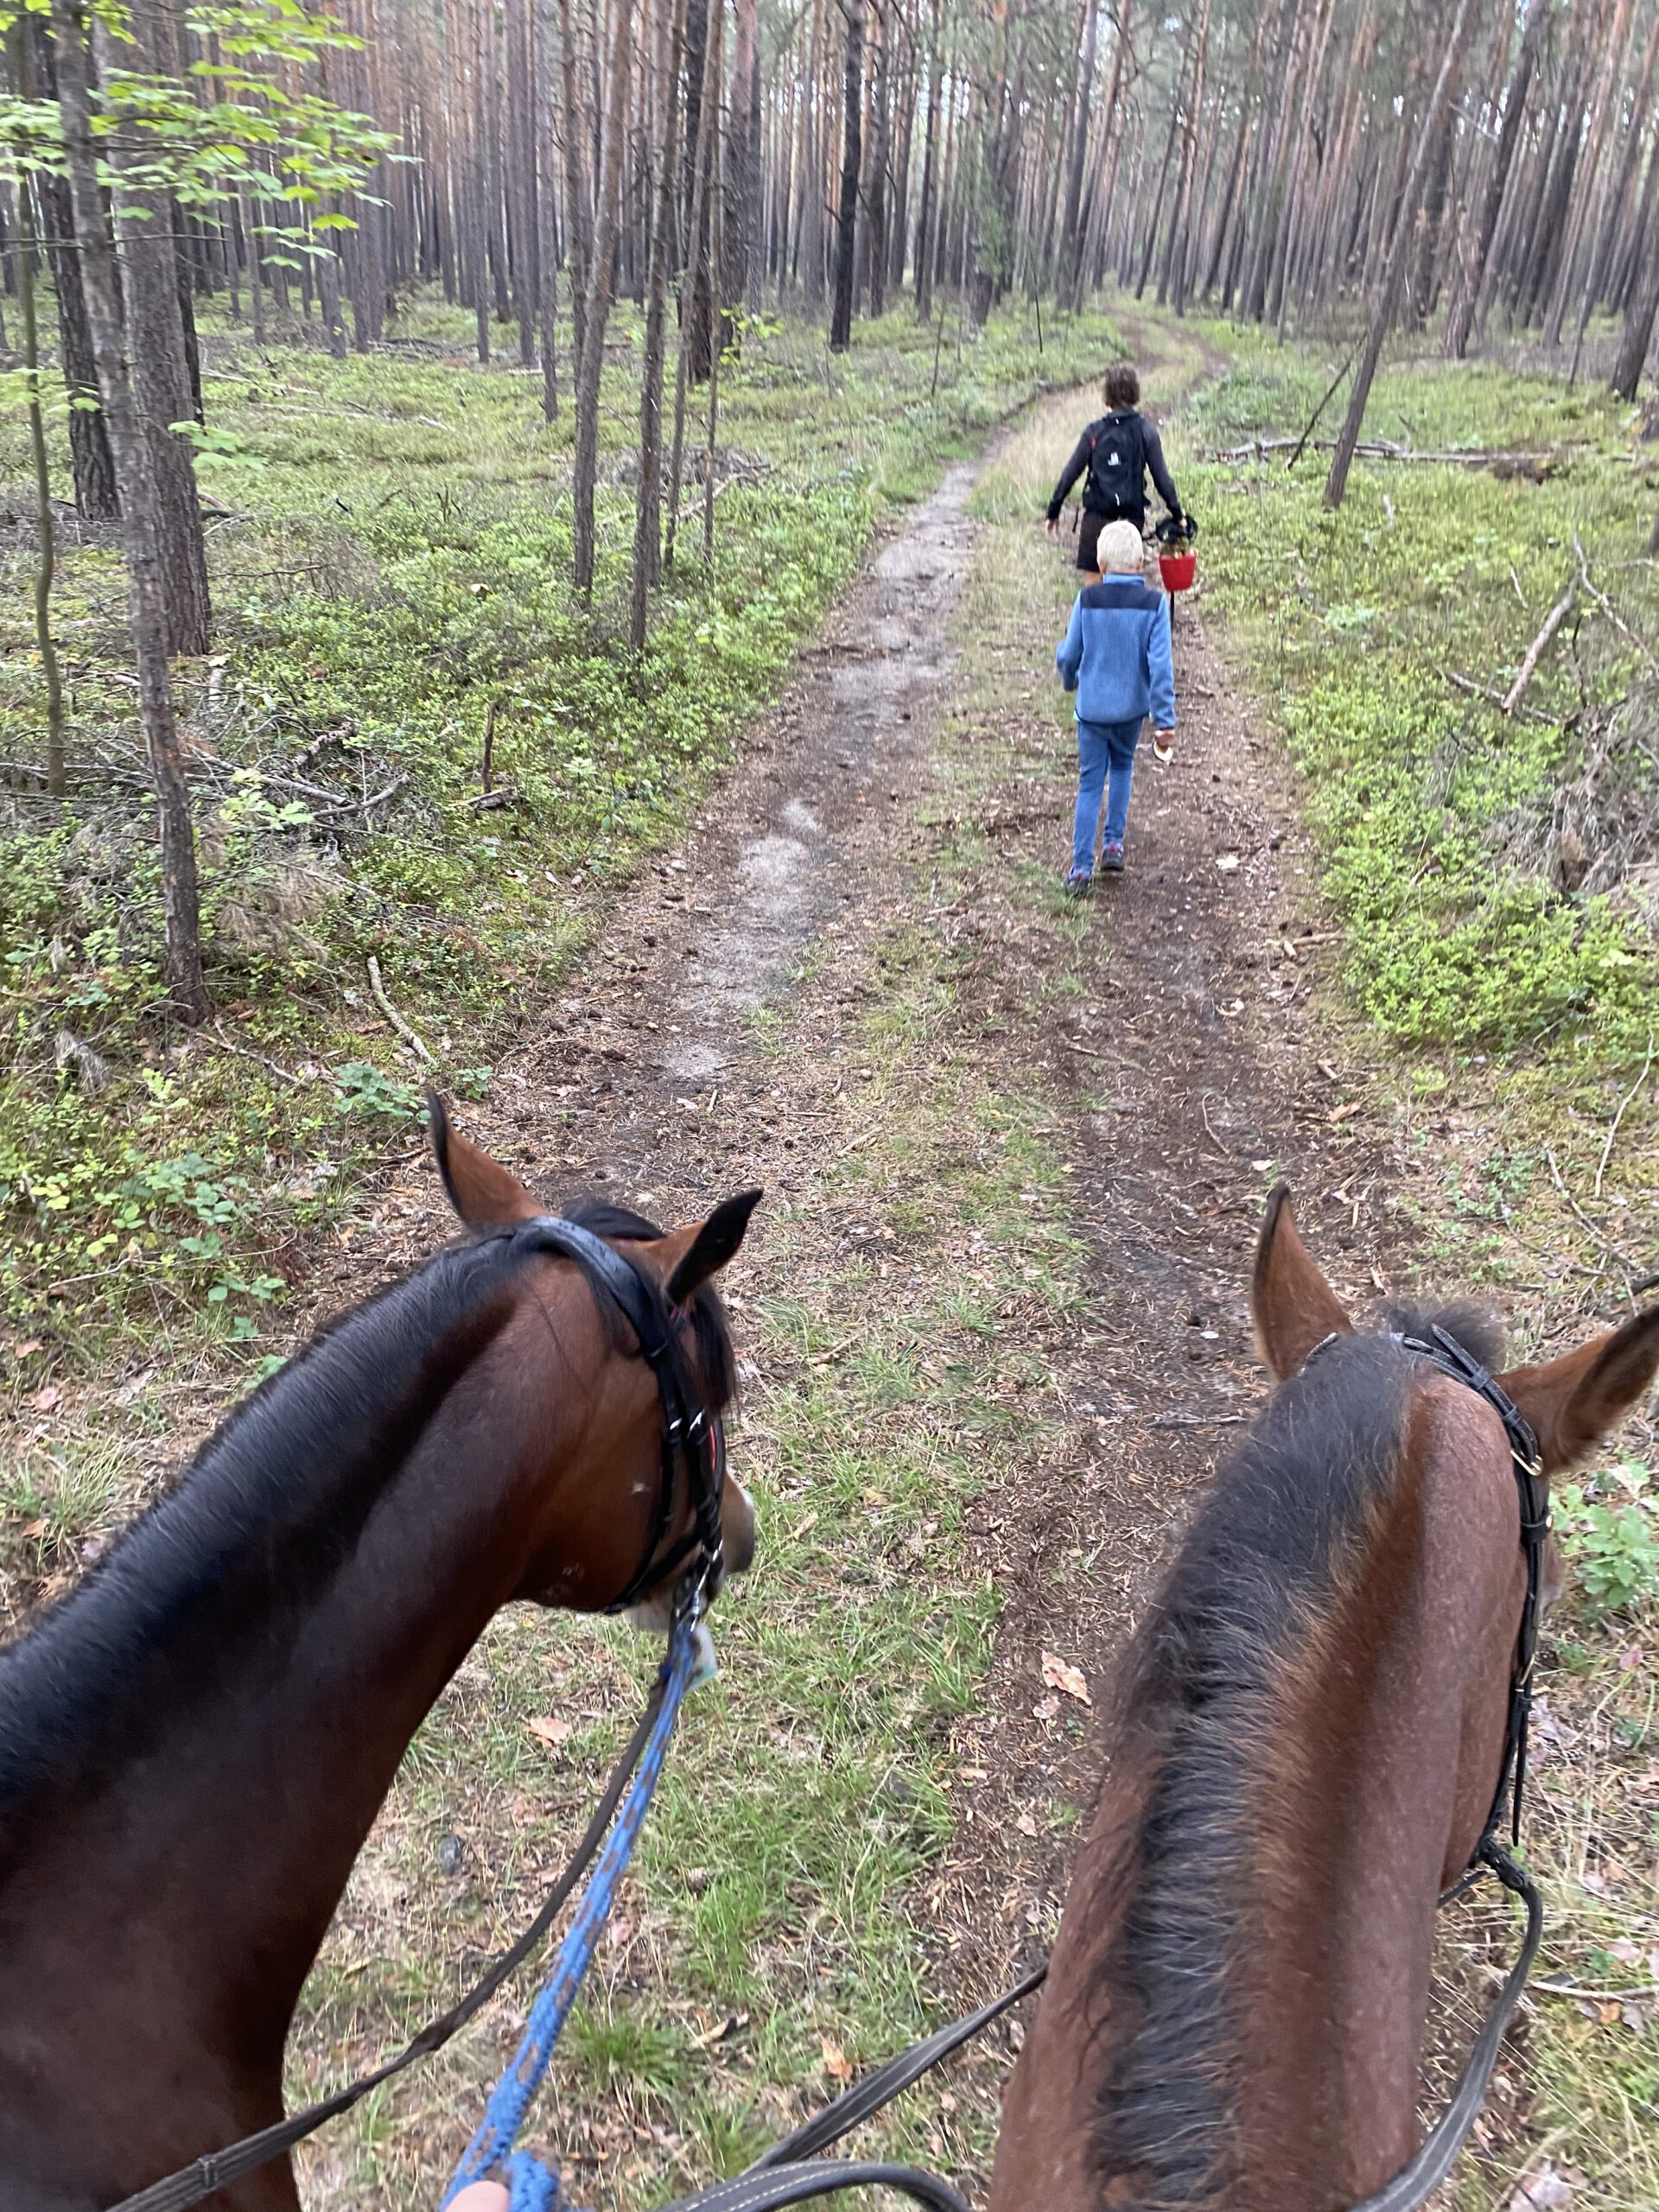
{"points": [[1294, 1306], [1573, 1402], [709, 1246], [480, 1189]]}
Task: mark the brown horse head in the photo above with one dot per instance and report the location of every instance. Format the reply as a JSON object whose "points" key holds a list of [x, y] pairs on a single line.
{"points": [[195, 1742], [1307, 1741], [682, 1265]]}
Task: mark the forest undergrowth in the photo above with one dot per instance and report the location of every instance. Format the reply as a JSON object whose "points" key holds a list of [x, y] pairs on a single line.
{"points": [[420, 766]]}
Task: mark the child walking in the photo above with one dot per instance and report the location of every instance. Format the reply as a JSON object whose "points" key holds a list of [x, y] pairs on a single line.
{"points": [[1115, 657]]}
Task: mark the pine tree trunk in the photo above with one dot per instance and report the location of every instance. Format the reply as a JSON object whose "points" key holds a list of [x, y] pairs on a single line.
{"points": [[597, 313], [21, 42], [89, 441], [1387, 296], [879, 158], [135, 478], [711, 451], [841, 314], [925, 213], [648, 514], [697, 229], [1636, 335], [1465, 305], [147, 268]]}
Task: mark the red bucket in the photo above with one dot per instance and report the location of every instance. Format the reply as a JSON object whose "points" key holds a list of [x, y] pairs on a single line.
{"points": [[1177, 571]]}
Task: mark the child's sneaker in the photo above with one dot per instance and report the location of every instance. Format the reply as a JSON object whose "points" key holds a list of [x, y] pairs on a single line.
{"points": [[1076, 884], [1111, 860]]}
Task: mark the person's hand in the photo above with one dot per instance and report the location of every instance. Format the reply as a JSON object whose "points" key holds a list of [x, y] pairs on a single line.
{"points": [[1053, 525], [1163, 745], [480, 2196]]}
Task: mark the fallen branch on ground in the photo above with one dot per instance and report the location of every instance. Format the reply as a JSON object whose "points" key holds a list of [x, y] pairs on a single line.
{"points": [[1503, 460], [391, 1012], [1553, 621]]}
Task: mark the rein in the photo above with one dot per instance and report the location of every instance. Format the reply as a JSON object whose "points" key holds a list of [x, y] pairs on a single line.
{"points": [[691, 1435], [792, 2171]]}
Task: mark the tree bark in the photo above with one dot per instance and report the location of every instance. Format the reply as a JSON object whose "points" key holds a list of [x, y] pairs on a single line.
{"points": [[148, 265], [852, 155], [89, 440], [648, 513], [924, 210], [1387, 296], [1475, 286], [697, 230], [597, 309], [1071, 225], [21, 44], [135, 479], [877, 196]]}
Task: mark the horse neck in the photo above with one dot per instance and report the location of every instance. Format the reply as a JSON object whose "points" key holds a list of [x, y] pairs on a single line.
{"points": [[201, 1862], [1303, 1890]]}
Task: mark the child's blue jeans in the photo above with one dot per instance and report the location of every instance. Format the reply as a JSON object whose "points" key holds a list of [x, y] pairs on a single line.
{"points": [[1105, 765]]}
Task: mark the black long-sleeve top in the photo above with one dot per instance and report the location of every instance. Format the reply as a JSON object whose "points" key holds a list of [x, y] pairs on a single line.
{"points": [[1078, 465]]}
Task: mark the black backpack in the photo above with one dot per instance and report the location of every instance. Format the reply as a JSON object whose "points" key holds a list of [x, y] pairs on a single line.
{"points": [[1118, 466]]}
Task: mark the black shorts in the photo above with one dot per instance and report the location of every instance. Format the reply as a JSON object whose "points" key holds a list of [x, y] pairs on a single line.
{"points": [[1088, 532]]}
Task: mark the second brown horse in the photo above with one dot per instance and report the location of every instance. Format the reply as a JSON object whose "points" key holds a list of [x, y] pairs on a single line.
{"points": [[1308, 1738]]}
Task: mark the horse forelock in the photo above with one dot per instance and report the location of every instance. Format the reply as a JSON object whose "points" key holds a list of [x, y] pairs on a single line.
{"points": [[1212, 1674]]}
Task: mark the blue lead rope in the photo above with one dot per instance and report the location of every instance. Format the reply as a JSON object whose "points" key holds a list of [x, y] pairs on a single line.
{"points": [[490, 2155]]}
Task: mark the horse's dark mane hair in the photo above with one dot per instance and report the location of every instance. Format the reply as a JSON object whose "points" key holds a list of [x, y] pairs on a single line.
{"points": [[1268, 1547], [274, 1501]]}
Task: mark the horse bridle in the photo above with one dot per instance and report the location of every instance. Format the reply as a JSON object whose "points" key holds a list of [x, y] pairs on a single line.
{"points": [[692, 1437]]}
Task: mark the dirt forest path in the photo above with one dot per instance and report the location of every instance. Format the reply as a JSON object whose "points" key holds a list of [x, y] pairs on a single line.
{"points": [[854, 984]]}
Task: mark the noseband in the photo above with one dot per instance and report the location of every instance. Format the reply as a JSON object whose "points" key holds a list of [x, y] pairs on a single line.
{"points": [[691, 1435]]}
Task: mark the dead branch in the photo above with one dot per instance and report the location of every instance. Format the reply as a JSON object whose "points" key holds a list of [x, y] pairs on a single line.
{"points": [[1502, 460], [1607, 1150], [1553, 621], [391, 1012]]}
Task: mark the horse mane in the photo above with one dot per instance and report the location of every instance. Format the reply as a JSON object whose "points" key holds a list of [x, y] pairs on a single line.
{"points": [[1270, 1547], [270, 1505]]}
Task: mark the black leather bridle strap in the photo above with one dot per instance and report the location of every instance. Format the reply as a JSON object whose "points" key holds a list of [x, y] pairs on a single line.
{"points": [[1532, 1494], [691, 1436]]}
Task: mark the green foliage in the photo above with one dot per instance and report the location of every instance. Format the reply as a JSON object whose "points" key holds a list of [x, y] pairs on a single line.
{"points": [[240, 122], [1354, 622], [1611, 1541], [394, 562]]}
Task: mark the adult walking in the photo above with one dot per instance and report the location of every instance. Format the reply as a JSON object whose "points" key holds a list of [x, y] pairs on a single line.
{"points": [[1113, 456]]}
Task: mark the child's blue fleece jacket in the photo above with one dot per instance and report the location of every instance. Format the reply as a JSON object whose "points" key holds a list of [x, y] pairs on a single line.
{"points": [[1116, 655]]}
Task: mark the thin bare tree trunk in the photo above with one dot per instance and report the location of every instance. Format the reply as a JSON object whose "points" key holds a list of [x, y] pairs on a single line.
{"points": [[21, 44], [1387, 296], [710, 455], [135, 479], [648, 514], [596, 313], [840, 314], [695, 246]]}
